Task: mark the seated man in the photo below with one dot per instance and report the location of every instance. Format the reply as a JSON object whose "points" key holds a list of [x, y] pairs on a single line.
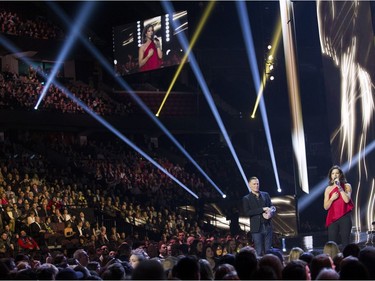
{"points": [[27, 243]]}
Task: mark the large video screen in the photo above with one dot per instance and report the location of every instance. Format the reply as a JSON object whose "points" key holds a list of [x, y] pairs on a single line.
{"points": [[150, 44]]}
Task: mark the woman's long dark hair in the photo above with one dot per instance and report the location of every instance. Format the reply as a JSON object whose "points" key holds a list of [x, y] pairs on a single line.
{"points": [[144, 39], [342, 177]]}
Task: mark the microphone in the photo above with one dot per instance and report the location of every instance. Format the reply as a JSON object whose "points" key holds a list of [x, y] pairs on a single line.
{"points": [[156, 38], [337, 182], [273, 209]]}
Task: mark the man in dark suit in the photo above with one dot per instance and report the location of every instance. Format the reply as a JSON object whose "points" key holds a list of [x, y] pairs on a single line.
{"points": [[257, 205], [37, 231]]}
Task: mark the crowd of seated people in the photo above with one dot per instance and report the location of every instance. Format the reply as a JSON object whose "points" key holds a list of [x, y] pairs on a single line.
{"points": [[183, 257], [13, 23], [122, 170], [49, 192], [35, 199], [23, 92]]}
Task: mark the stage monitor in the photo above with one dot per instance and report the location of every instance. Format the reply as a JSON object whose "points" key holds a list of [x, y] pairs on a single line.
{"points": [[127, 40]]}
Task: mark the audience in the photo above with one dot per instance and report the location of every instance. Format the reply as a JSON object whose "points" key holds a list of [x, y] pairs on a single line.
{"points": [[111, 255], [39, 28]]}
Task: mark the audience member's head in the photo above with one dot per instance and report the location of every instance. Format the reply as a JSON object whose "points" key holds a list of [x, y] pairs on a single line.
{"points": [[8, 262], [187, 268], [328, 274], [5, 270], [367, 257], [169, 263], [124, 251], [265, 273], [351, 249], [273, 262], [47, 271], [353, 269], [82, 269], [296, 270], [68, 274], [295, 253], [205, 270], [246, 263], [227, 258], [135, 259], [21, 257], [60, 260], [331, 248], [23, 265], [306, 257], [114, 272], [318, 263], [25, 274], [277, 252], [149, 270], [226, 272], [93, 266], [81, 256], [337, 261]]}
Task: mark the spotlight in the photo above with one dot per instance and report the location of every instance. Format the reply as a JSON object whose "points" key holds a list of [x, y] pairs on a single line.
{"points": [[279, 190], [272, 78], [269, 47], [115, 62], [224, 196], [271, 67], [270, 57], [36, 107]]}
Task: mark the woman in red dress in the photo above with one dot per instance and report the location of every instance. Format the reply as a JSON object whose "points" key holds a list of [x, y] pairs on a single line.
{"points": [[339, 205], [150, 54]]}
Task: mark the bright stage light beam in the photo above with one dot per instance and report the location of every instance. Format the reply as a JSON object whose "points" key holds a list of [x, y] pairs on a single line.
{"points": [[298, 135], [5, 42], [103, 61], [81, 18], [248, 38], [198, 74], [198, 31]]}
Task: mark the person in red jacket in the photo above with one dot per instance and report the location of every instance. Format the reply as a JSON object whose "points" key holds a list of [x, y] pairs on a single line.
{"points": [[26, 242]]}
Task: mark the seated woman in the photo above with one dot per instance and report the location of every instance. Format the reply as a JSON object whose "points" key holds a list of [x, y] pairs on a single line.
{"points": [[69, 233], [71, 238]]}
